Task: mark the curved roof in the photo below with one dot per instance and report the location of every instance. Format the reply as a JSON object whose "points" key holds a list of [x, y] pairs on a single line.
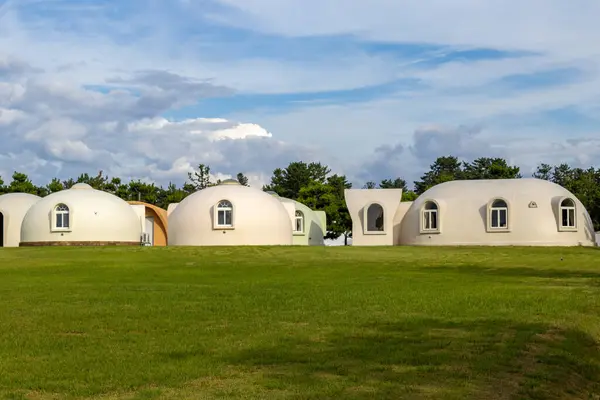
{"points": [[479, 187], [17, 202], [81, 185], [95, 216], [161, 212], [533, 214], [258, 218], [14, 207], [230, 182], [6, 197]]}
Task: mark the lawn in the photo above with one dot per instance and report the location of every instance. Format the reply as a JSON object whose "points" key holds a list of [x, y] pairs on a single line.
{"points": [[299, 323]]}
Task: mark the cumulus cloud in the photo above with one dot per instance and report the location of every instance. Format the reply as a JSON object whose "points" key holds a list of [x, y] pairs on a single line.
{"points": [[93, 95], [69, 130], [426, 143]]}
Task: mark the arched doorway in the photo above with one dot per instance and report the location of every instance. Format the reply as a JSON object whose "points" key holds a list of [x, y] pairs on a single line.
{"points": [[1, 229]]}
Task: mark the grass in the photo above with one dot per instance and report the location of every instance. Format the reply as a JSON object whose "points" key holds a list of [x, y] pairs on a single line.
{"points": [[299, 323]]}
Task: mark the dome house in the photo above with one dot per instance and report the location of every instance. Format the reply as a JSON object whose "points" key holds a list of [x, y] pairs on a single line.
{"points": [[81, 215], [229, 214]]}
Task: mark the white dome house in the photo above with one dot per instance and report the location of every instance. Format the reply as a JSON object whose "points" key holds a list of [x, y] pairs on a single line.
{"points": [[519, 212], [81, 216], [13, 207], [229, 214]]}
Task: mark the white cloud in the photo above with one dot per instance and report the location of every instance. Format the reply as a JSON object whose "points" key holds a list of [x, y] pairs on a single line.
{"points": [[68, 130], [547, 25], [154, 61], [208, 128], [412, 157]]}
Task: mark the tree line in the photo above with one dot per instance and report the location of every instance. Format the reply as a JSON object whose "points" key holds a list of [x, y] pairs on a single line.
{"points": [[314, 185]]}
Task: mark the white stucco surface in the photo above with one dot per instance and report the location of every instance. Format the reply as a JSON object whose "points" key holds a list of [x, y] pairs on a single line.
{"points": [[359, 201], [13, 207], [95, 216], [314, 221], [258, 218], [533, 215]]}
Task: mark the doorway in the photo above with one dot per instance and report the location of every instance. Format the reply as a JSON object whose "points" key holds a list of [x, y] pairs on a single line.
{"points": [[1, 230], [150, 230]]}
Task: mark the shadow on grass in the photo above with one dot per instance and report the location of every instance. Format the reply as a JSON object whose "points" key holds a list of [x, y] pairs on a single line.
{"points": [[524, 272], [428, 358]]}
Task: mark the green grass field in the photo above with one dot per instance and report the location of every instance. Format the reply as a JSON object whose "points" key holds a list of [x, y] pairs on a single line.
{"points": [[299, 323]]}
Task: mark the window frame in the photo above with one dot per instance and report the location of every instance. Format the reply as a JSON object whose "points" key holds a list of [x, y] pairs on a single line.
{"points": [[366, 230], [300, 218], [54, 220], [490, 210], [218, 208], [561, 227], [423, 211]]}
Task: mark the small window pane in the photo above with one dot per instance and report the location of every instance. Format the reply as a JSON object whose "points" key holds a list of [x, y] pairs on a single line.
{"points": [[65, 220], [374, 218], [59, 223], [434, 220], [571, 218], [221, 218], [494, 218], [502, 218], [565, 217], [430, 206], [224, 204], [568, 203], [499, 203], [426, 218], [228, 217]]}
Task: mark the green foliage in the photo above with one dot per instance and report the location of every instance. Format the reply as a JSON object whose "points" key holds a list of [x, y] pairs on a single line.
{"points": [[310, 185], [97, 182], [172, 194], [398, 183], [370, 185], [449, 168], [22, 184], [297, 175], [200, 179], [490, 168], [584, 184], [242, 179], [54, 186], [142, 191]]}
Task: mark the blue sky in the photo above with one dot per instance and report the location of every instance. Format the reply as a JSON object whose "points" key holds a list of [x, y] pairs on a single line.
{"points": [[148, 89]]}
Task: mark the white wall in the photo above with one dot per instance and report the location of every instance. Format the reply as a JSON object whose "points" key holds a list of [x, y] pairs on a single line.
{"points": [[14, 207], [258, 219], [95, 216], [463, 215], [358, 200], [140, 211]]}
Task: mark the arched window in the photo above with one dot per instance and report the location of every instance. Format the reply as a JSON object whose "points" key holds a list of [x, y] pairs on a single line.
{"points": [[567, 214], [498, 215], [61, 217], [374, 220], [224, 214], [299, 222], [430, 220]]}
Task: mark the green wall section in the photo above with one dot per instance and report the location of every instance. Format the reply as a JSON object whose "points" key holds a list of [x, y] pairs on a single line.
{"points": [[315, 223]]}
